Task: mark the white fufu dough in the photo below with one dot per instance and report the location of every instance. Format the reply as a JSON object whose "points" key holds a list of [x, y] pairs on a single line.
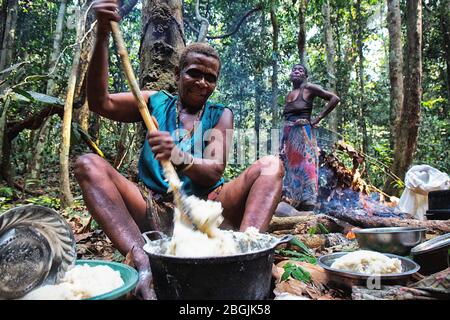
{"points": [[81, 282], [187, 242], [368, 262]]}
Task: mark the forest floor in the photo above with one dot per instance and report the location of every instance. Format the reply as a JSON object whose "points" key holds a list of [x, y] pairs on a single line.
{"points": [[91, 241]]}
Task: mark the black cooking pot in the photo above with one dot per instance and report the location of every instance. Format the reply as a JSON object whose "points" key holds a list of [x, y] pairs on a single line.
{"points": [[439, 200], [243, 276]]}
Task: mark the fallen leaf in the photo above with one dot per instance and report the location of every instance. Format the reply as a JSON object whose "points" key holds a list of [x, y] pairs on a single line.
{"points": [[82, 236], [291, 286]]}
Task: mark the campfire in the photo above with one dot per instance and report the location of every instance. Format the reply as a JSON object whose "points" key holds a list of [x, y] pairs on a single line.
{"points": [[343, 190]]}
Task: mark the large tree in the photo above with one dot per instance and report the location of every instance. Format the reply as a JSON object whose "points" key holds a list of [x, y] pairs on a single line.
{"points": [[395, 59], [275, 57], [395, 73], [301, 38], [8, 32], [41, 137], [330, 54], [407, 127], [161, 43], [361, 24]]}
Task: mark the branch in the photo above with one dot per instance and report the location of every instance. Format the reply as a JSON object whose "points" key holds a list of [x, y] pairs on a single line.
{"points": [[237, 25], [126, 8], [35, 121], [204, 23]]}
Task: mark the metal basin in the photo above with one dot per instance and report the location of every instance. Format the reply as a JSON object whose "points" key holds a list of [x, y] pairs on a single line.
{"points": [[37, 247], [395, 240], [244, 276], [433, 255], [347, 279]]}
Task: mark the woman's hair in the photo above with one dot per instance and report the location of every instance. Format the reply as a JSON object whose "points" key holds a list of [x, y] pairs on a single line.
{"points": [[201, 48]]}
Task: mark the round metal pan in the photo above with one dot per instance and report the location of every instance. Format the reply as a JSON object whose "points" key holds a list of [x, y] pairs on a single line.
{"points": [[347, 279]]}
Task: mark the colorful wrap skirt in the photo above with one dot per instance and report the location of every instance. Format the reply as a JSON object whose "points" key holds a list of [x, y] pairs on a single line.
{"points": [[300, 156]]}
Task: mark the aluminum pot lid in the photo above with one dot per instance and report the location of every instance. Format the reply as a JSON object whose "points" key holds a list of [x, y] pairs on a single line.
{"points": [[433, 244], [37, 246]]}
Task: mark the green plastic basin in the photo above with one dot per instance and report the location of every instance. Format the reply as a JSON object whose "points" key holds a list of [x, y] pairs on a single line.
{"points": [[128, 274]]}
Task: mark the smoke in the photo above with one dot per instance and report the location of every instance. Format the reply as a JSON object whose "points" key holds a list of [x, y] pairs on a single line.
{"points": [[333, 197]]}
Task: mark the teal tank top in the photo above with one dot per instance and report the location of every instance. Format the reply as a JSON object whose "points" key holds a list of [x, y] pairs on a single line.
{"points": [[162, 106]]}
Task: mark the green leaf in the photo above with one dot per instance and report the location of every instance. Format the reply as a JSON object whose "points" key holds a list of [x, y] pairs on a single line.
{"points": [[323, 229], [286, 274], [300, 274], [296, 272], [23, 93], [6, 192], [301, 245], [309, 259], [45, 98], [312, 231], [297, 256]]}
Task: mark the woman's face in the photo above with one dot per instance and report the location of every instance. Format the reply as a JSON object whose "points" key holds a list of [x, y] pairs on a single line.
{"points": [[197, 81], [298, 73]]}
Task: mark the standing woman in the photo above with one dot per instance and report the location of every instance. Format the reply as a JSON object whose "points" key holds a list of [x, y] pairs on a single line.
{"points": [[298, 149]]}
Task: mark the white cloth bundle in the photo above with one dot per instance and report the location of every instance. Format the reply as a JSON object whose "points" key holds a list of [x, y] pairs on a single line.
{"points": [[419, 181]]}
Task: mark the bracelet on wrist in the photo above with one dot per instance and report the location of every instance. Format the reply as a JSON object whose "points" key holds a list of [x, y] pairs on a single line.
{"points": [[190, 163], [186, 163]]}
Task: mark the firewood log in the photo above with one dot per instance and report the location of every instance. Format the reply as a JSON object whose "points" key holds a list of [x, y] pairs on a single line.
{"points": [[434, 226], [301, 224]]}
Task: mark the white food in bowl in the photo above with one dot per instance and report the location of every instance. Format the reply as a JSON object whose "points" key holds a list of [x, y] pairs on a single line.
{"points": [[368, 262], [81, 282]]}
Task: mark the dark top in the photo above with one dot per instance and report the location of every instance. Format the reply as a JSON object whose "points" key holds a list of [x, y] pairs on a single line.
{"points": [[298, 109]]}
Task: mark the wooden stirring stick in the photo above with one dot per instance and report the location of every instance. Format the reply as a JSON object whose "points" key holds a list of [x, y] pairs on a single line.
{"points": [[169, 170]]}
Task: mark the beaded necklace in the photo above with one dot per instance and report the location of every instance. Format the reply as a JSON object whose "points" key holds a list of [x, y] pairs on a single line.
{"points": [[199, 115]]}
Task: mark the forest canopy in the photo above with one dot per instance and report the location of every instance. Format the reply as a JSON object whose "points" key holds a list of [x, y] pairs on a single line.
{"points": [[388, 61]]}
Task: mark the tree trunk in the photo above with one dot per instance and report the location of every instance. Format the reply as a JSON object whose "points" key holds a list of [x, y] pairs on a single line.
{"points": [[9, 32], [258, 105], [362, 102], [121, 147], [94, 129], [347, 59], [445, 23], [3, 14], [330, 54], [407, 127], [161, 43], [301, 39], [82, 115], [5, 169], [395, 61], [4, 141], [395, 73], [42, 134], [259, 87], [66, 195], [275, 34]]}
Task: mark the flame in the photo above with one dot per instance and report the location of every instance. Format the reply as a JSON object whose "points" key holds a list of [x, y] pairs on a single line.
{"points": [[350, 235]]}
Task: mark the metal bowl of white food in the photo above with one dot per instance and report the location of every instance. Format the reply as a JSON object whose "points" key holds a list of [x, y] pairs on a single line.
{"points": [[346, 279]]}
